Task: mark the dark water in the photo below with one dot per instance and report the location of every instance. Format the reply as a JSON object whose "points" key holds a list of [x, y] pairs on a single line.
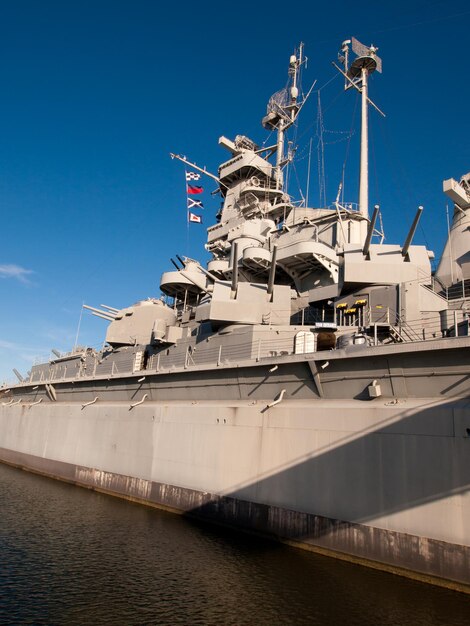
{"points": [[72, 556]]}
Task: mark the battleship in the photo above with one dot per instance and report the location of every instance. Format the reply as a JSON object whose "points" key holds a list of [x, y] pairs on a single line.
{"points": [[309, 382]]}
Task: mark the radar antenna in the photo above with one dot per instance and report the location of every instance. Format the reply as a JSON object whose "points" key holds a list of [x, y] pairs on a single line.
{"points": [[356, 74], [283, 109]]}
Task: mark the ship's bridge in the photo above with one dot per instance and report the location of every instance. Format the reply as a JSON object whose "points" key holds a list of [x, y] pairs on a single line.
{"points": [[245, 166]]}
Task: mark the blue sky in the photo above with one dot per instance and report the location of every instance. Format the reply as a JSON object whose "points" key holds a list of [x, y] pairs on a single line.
{"points": [[94, 96]]}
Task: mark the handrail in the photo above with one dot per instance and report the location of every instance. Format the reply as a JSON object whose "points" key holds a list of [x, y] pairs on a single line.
{"points": [[215, 353]]}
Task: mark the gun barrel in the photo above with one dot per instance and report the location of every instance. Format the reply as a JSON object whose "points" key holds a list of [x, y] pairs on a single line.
{"points": [[370, 230], [208, 274], [112, 309], [194, 281], [412, 231], [18, 375], [235, 271], [107, 315], [272, 271]]}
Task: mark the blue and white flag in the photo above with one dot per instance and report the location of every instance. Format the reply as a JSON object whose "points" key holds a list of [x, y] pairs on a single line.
{"points": [[194, 203]]}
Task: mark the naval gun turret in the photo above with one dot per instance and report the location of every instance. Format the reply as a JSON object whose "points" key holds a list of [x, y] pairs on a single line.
{"points": [[144, 323]]}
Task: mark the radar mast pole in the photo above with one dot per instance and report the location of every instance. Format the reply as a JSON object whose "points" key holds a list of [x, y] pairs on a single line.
{"points": [[364, 163], [283, 113], [279, 153], [357, 74]]}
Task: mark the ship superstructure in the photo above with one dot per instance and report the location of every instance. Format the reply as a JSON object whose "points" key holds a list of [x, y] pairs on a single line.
{"points": [[305, 352], [275, 263]]}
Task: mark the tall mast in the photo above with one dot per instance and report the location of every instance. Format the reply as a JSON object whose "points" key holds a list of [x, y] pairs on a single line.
{"points": [[357, 75], [280, 152], [364, 164], [283, 108]]}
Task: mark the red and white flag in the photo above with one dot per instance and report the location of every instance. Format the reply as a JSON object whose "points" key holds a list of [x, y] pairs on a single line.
{"points": [[192, 217], [194, 189]]}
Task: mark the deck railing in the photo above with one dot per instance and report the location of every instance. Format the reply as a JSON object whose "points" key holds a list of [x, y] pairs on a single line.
{"points": [[382, 326]]}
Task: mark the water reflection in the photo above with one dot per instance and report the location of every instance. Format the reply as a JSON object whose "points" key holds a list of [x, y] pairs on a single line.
{"points": [[71, 556]]}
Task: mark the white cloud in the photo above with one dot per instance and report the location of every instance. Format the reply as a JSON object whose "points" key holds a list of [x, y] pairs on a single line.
{"points": [[8, 345], [15, 271]]}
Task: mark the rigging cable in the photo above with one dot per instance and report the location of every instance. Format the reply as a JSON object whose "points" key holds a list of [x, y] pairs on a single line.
{"points": [[308, 171], [374, 163], [320, 154], [348, 147], [403, 181], [378, 232], [298, 183]]}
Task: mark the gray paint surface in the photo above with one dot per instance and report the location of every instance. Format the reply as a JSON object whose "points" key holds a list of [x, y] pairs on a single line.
{"points": [[305, 384], [391, 465]]}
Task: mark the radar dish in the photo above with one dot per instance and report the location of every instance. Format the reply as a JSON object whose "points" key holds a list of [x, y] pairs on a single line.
{"points": [[278, 101], [277, 109], [359, 48], [366, 51]]}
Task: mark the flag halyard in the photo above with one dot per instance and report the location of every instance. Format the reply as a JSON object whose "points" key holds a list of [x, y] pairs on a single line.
{"points": [[193, 203]]}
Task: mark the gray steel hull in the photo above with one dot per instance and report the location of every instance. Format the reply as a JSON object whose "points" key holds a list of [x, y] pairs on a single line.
{"points": [[384, 480]]}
